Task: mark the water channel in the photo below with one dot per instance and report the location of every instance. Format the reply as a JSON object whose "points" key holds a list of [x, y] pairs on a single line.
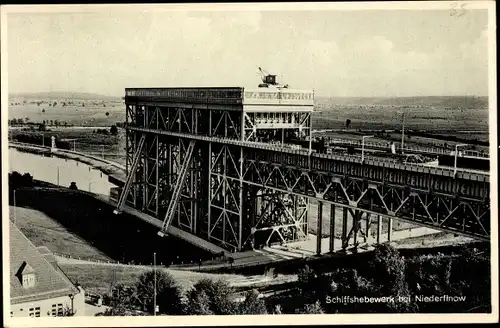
{"points": [[59, 171]]}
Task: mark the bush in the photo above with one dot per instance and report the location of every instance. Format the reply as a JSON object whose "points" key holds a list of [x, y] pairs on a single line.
{"points": [[314, 308], [168, 294], [252, 304], [113, 130], [211, 296]]}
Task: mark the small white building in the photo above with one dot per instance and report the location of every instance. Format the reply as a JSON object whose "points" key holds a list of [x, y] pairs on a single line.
{"points": [[38, 287]]}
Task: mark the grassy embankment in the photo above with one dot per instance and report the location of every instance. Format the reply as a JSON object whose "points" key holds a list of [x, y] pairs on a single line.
{"points": [[43, 230]]}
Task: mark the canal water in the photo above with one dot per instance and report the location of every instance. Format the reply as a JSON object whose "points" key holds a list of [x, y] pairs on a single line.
{"points": [[59, 171]]}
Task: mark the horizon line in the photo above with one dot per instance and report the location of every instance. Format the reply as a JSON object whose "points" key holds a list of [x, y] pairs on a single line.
{"points": [[317, 95]]}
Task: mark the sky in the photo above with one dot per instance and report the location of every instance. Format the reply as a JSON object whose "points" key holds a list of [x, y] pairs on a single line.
{"points": [[336, 53]]}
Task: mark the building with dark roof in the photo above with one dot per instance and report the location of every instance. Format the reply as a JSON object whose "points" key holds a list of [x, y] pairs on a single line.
{"points": [[38, 287]]}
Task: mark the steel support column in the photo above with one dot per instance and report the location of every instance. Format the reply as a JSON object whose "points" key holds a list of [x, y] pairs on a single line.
{"points": [[332, 228], [319, 233]]}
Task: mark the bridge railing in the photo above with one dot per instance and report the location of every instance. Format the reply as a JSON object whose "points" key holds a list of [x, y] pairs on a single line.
{"points": [[432, 150]]}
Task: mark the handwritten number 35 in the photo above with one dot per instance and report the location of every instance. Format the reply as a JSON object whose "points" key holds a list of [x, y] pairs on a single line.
{"points": [[458, 9]]}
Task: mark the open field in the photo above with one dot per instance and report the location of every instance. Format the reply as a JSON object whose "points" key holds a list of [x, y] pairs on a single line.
{"points": [[465, 118], [82, 140], [439, 116], [90, 115], [424, 113], [73, 108]]}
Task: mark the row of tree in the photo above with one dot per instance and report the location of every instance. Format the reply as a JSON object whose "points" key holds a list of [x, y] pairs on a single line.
{"points": [[388, 277], [113, 130], [207, 297], [26, 121]]}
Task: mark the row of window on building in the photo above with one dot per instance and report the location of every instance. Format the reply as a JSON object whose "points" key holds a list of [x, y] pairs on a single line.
{"points": [[185, 93], [280, 95], [57, 311]]}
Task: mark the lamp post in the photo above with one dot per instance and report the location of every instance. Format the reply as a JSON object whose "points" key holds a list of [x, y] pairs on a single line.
{"points": [[363, 148], [402, 132], [456, 157], [58, 176], [14, 202], [154, 296], [71, 296]]}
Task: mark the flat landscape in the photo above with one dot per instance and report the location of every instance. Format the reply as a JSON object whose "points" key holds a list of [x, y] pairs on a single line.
{"points": [[429, 121]]}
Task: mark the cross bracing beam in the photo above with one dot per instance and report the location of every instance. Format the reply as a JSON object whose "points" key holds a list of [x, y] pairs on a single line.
{"points": [[176, 193], [131, 175]]}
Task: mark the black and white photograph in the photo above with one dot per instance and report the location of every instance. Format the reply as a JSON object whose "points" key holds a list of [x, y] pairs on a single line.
{"points": [[168, 164]]}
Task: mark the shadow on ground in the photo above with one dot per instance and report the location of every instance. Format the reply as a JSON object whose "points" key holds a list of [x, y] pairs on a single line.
{"points": [[121, 237]]}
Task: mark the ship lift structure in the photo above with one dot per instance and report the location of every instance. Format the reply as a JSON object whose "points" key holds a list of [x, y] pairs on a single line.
{"points": [[221, 164]]}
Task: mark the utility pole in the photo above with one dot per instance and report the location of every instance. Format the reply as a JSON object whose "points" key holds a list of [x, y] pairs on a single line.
{"points": [[363, 148], [58, 176], [403, 135], [456, 158]]}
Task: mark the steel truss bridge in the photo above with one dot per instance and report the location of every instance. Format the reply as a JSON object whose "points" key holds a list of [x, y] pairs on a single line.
{"points": [[215, 162]]}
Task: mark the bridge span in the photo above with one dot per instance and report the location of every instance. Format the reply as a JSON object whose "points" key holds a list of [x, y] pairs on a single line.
{"points": [[205, 160]]}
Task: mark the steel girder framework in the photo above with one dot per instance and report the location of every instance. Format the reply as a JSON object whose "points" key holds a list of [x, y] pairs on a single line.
{"points": [[228, 212], [239, 194]]}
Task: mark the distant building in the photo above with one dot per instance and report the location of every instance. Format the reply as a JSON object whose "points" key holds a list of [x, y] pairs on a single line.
{"points": [[38, 287]]}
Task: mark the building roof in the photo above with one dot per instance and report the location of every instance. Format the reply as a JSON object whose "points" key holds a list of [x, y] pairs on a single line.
{"points": [[25, 269], [50, 282]]}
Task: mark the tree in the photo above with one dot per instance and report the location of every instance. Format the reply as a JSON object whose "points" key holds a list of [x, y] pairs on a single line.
{"points": [[314, 308], [307, 283], [43, 110], [168, 294], [218, 297], [389, 270], [122, 301], [252, 304], [73, 186], [113, 130], [199, 304], [107, 113], [42, 127], [347, 123]]}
